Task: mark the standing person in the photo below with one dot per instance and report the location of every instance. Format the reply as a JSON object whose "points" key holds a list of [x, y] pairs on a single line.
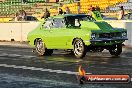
{"points": [[97, 8], [68, 10], [60, 11], [91, 9], [17, 16], [24, 14], [95, 14], [121, 13], [78, 7], [21, 15], [46, 14]]}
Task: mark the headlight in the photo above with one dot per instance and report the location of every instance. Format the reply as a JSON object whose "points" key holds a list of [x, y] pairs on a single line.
{"points": [[93, 36], [124, 34]]}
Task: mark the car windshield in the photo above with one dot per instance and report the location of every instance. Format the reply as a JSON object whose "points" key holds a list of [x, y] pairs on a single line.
{"points": [[54, 23]]}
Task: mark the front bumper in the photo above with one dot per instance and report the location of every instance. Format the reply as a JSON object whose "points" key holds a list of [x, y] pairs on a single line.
{"points": [[107, 41]]}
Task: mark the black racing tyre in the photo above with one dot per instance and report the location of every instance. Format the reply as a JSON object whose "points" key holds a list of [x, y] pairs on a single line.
{"points": [[41, 48], [116, 49], [48, 52], [79, 48]]}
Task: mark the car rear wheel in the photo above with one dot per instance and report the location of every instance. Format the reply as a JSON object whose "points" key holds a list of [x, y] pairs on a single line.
{"points": [[41, 49], [79, 48], [116, 49]]}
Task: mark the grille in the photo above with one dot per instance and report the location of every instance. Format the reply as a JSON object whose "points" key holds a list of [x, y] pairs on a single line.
{"points": [[110, 35]]}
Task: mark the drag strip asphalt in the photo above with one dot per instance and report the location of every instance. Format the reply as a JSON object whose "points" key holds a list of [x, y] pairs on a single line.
{"points": [[60, 69]]}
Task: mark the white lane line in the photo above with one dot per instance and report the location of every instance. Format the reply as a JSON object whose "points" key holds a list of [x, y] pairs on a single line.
{"points": [[27, 56], [18, 50], [10, 55], [16, 55], [3, 54], [39, 69]]}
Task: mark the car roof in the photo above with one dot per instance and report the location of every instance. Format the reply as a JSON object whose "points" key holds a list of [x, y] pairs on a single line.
{"points": [[67, 15]]}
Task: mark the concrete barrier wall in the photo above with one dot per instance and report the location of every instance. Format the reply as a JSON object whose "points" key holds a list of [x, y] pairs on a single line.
{"points": [[16, 30], [127, 24], [19, 30]]}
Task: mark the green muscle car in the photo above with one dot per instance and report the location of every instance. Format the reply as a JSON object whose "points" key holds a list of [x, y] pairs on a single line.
{"points": [[76, 33]]}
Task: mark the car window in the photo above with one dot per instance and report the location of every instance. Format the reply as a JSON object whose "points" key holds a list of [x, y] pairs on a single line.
{"points": [[48, 23], [74, 21], [58, 23], [54, 23]]}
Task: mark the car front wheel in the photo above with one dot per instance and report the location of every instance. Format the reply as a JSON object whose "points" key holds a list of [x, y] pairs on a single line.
{"points": [[79, 48], [41, 49], [116, 49]]}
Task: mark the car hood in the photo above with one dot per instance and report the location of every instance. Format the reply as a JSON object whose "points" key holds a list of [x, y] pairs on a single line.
{"points": [[99, 26]]}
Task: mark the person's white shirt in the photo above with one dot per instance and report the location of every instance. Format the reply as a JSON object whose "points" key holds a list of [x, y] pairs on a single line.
{"points": [[121, 15]]}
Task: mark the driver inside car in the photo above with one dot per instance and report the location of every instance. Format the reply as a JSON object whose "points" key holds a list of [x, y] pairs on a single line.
{"points": [[77, 23]]}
